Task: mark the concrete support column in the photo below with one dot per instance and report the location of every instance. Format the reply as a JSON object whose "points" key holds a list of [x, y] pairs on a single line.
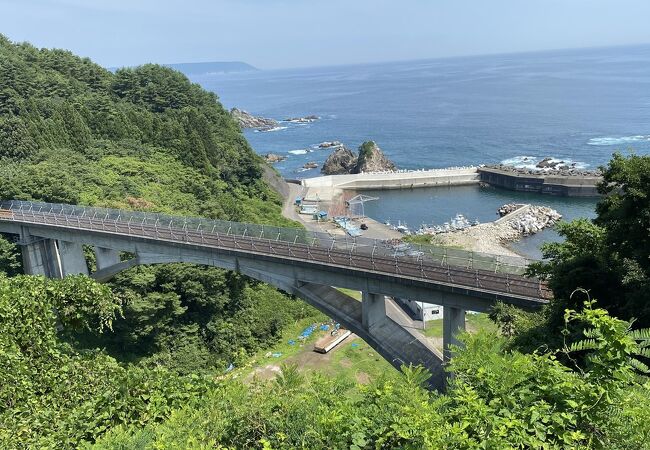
{"points": [[453, 322], [73, 261], [41, 257], [373, 309], [106, 257]]}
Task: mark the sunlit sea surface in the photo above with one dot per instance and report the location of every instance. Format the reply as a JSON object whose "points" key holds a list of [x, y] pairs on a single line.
{"points": [[576, 106]]}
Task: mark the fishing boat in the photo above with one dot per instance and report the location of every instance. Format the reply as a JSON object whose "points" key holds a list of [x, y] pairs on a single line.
{"points": [[402, 228]]}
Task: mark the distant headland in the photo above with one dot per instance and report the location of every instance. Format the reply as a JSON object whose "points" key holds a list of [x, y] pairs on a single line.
{"points": [[215, 67]]}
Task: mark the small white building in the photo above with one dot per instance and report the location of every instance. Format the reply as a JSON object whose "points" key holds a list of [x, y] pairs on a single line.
{"points": [[423, 311]]}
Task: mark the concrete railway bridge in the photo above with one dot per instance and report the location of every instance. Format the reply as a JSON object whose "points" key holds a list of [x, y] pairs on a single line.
{"points": [[305, 264]]}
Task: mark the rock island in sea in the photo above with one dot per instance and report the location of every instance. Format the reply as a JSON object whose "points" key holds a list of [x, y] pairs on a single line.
{"points": [[369, 159]]}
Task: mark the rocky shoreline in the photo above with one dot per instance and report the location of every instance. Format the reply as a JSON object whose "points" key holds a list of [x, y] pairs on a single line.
{"points": [[273, 158], [248, 120]]}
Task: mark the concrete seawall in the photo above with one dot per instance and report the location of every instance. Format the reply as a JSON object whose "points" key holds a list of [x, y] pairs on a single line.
{"points": [[327, 187], [550, 184], [391, 180]]}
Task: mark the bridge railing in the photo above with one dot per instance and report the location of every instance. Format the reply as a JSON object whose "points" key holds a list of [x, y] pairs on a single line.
{"points": [[397, 249]]}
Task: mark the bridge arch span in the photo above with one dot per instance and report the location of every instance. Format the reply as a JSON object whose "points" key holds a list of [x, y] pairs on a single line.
{"points": [[394, 343], [303, 264]]}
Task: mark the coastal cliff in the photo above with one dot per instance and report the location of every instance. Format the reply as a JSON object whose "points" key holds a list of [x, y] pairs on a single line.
{"points": [[369, 159]]}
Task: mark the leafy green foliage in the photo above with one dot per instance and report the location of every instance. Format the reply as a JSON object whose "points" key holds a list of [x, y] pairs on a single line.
{"points": [[496, 399], [52, 396], [366, 149], [74, 132], [9, 258], [624, 212], [195, 319], [607, 259], [146, 139], [611, 344]]}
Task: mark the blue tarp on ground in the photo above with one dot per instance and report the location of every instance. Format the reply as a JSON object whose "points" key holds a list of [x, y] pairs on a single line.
{"points": [[308, 331], [348, 226]]}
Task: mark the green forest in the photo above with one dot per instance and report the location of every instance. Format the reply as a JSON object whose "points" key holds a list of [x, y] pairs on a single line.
{"points": [[140, 362]]}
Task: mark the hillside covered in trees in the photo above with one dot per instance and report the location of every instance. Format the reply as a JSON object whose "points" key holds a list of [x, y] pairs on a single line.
{"points": [[139, 362], [147, 139]]}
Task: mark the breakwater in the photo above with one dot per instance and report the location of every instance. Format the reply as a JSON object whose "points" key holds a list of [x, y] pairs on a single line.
{"points": [[580, 185], [551, 183], [329, 185]]}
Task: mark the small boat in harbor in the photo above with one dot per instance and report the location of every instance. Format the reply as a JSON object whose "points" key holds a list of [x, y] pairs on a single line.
{"points": [[402, 228]]}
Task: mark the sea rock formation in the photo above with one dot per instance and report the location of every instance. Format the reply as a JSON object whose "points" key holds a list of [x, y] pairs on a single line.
{"points": [[340, 161], [306, 119], [372, 159], [548, 163], [247, 120], [272, 158], [310, 165], [330, 144], [369, 159]]}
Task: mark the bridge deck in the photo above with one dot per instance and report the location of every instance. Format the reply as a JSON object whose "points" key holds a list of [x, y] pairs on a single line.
{"points": [[358, 258]]}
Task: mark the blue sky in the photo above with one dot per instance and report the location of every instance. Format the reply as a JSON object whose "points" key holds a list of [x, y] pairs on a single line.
{"points": [[300, 33]]}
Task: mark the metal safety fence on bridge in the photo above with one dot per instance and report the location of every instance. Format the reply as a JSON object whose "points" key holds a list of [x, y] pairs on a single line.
{"points": [[465, 268]]}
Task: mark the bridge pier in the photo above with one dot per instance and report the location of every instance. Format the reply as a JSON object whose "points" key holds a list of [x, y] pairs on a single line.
{"points": [[73, 261], [373, 309], [106, 257], [40, 257], [453, 322], [306, 267]]}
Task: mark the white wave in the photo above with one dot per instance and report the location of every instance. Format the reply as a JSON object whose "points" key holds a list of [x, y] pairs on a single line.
{"points": [[268, 130], [611, 140], [530, 162], [521, 161], [298, 152]]}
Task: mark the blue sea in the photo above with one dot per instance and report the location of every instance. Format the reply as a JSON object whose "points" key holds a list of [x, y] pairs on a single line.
{"points": [[575, 105]]}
